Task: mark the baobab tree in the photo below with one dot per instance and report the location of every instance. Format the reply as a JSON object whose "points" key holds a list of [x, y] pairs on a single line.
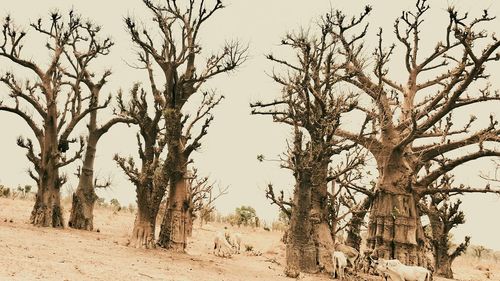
{"points": [[444, 215], [85, 48], [201, 197], [177, 58], [353, 180], [312, 105], [409, 124], [50, 104], [148, 181]]}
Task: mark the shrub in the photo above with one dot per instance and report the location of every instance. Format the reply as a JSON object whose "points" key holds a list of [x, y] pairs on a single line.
{"points": [[101, 203], [24, 191], [4, 191], [115, 204], [245, 215], [131, 208]]}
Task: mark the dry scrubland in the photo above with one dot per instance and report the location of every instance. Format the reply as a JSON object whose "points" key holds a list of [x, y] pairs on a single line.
{"points": [[33, 253]]}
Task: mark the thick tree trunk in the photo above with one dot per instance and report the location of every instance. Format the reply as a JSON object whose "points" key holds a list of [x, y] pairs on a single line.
{"points": [[440, 245], [143, 233], [442, 263], [173, 231], [322, 235], [300, 248], [148, 206], [149, 196], [355, 223], [82, 208], [47, 210], [395, 230]]}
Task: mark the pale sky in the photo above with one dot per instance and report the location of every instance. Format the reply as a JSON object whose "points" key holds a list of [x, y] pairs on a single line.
{"points": [[229, 151]]}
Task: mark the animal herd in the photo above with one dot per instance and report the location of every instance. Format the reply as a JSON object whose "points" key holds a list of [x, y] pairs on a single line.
{"points": [[344, 257], [227, 244]]}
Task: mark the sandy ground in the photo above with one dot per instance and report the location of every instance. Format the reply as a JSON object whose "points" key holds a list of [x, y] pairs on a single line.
{"points": [[33, 253]]}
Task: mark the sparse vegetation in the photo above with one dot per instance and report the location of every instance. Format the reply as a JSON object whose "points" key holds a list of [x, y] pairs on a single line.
{"points": [[245, 215], [374, 127], [4, 191]]}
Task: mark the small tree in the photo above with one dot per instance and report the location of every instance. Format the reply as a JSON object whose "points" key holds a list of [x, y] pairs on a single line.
{"points": [[245, 215], [479, 250], [444, 215], [201, 196]]}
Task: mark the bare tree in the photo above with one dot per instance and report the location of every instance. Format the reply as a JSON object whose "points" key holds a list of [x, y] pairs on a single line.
{"points": [[37, 102], [85, 47], [444, 215], [354, 195], [409, 124], [176, 56], [201, 196], [479, 250], [149, 183], [311, 104]]}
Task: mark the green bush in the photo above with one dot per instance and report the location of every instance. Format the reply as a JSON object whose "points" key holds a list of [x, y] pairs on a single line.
{"points": [[245, 215]]}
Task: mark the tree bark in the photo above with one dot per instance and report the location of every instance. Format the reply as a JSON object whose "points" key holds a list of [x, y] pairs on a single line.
{"points": [[395, 230], [82, 207], [47, 209], [173, 233], [300, 248], [143, 233], [442, 263], [440, 245], [354, 227], [322, 235], [149, 199], [149, 192]]}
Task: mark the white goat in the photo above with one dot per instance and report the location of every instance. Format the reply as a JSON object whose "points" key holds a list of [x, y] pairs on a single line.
{"points": [[339, 264], [234, 240], [221, 246], [351, 254], [400, 272]]}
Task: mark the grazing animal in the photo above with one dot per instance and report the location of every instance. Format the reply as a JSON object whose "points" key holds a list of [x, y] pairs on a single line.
{"points": [[351, 254], [339, 264], [400, 272], [221, 246], [365, 264], [234, 240]]}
